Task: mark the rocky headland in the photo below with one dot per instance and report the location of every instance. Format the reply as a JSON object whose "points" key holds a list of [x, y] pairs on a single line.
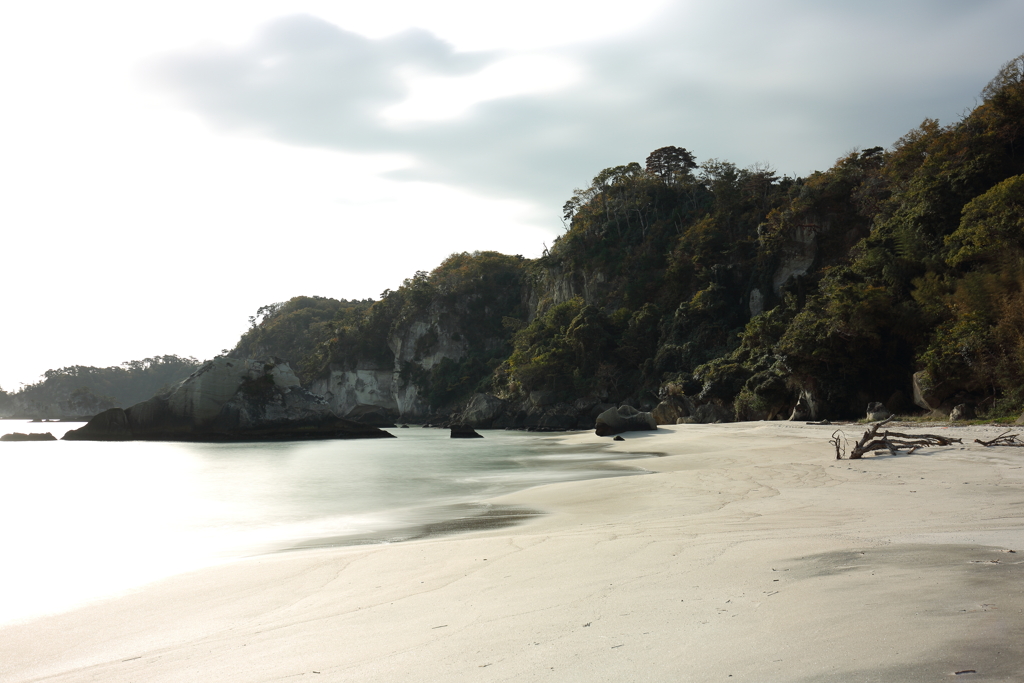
{"points": [[228, 399]]}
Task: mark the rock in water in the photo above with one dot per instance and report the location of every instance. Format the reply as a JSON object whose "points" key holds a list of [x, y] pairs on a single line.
{"points": [[623, 419], [227, 399], [464, 432], [18, 436]]}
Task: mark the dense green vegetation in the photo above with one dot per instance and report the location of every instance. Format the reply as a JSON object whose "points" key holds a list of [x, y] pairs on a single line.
{"points": [[294, 329]]}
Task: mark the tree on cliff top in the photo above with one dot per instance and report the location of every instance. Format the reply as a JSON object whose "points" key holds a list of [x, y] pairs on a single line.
{"points": [[666, 162], [1010, 74]]}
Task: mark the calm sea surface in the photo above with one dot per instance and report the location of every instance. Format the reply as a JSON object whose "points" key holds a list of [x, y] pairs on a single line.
{"points": [[82, 520]]}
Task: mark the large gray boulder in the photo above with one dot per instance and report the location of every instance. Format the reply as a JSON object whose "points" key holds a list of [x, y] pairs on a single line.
{"points": [[929, 393], [712, 413], [671, 409], [623, 419], [227, 399]]}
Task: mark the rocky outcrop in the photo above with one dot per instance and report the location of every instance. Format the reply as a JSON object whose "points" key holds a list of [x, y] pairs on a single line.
{"points": [[18, 436], [227, 399], [798, 254], [671, 409], [464, 432], [712, 413], [928, 393], [560, 285], [623, 419]]}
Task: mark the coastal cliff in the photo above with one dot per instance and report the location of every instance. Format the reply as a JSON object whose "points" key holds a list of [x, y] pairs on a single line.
{"points": [[705, 292]]}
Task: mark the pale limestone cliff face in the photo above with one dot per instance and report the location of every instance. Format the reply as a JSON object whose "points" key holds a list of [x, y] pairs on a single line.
{"points": [[346, 389], [561, 286], [423, 344], [798, 255], [426, 344]]}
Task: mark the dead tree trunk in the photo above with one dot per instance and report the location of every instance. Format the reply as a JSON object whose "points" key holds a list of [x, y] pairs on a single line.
{"points": [[893, 442]]}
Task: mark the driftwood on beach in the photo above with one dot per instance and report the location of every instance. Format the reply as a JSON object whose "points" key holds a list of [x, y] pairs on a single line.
{"points": [[1004, 439], [893, 442]]}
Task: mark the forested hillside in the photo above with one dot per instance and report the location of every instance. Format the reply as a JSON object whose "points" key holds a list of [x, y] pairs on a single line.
{"points": [[81, 391], [897, 275], [725, 293]]}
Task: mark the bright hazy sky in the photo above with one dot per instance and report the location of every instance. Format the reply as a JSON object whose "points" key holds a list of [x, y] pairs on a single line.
{"points": [[169, 167]]}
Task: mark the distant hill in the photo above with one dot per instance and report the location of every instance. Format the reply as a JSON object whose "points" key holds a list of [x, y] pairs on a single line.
{"points": [[82, 391]]}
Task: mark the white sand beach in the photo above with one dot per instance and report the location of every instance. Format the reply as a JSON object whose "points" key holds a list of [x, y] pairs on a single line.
{"points": [[749, 554]]}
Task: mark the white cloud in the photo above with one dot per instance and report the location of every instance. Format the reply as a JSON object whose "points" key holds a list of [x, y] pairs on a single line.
{"points": [[434, 98]]}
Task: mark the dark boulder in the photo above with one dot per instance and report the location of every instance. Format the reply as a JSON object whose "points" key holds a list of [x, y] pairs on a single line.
{"points": [[464, 432], [375, 416], [623, 419], [712, 413]]}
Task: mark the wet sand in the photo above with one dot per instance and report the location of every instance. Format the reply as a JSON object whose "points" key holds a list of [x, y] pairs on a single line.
{"points": [[749, 554]]}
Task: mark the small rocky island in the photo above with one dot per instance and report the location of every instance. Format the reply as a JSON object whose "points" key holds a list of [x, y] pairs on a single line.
{"points": [[228, 399]]}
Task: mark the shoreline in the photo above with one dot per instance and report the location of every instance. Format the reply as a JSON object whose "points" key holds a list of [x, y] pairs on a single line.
{"points": [[750, 552]]}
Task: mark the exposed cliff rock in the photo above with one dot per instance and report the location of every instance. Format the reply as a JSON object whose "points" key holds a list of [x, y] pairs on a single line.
{"points": [[482, 410], [798, 254], [556, 285], [670, 410], [417, 348], [227, 399]]}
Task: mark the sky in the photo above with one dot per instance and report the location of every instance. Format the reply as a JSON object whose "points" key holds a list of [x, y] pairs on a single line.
{"points": [[168, 168]]}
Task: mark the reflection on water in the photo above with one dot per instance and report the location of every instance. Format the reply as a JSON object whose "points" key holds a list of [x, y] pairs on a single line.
{"points": [[88, 519]]}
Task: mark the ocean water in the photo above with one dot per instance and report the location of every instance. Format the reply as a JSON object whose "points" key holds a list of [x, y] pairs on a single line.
{"points": [[84, 520]]}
